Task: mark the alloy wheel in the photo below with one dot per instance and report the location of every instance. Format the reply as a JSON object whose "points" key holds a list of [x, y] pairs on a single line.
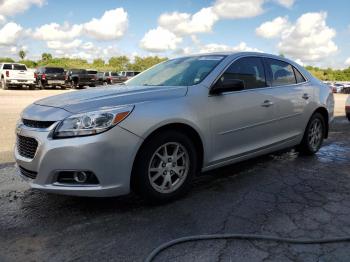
{"points": [[168, 167], [315, 134]]}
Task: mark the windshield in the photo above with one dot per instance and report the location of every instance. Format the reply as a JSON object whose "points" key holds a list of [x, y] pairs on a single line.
{"points": [[114, 74], [19, 67], [93, 72], [185, 71], [54, 70]]}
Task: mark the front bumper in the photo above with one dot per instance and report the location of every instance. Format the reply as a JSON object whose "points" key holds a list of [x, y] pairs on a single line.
{"points": [[108, 155]]}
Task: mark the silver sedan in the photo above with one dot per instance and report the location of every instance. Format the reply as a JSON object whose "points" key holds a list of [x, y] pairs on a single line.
{"points": [[181, 117]]}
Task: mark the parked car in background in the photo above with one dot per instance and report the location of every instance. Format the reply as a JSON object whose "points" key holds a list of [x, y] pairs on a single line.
{"points": [[16, 75], [129, 74], [111, 78], [337, 88], [167, 124], [93, 74], [99, 78], [50, 77], [78, 78], [347, 108]]}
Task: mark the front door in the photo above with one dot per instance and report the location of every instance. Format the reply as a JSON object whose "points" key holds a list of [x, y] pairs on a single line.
{"points": [[242, 122]]}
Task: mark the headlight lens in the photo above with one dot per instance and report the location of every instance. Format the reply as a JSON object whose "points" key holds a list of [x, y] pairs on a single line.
{"points": [[91, 123]]}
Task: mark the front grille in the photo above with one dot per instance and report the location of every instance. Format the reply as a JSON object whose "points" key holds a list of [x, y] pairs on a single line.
{"points": [[28, 173], [26, 146], [37, 124]]}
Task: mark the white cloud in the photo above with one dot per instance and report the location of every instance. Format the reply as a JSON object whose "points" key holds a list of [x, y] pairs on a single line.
{"points": [[54, 32], [10, 33], [241, 47], [112, 25], [64, 45], [88, 46], [233, 9], [286, 3], [12, 7], [273, 28], [159, 40], [2, 19], [309, 39], [185, 24], [347, 62]]}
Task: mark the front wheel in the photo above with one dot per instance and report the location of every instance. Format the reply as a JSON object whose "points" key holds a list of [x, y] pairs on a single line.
{"points": [[164, 167], [314, 135]]}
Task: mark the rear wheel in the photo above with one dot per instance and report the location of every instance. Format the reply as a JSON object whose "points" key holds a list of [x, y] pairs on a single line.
{"points": [[164, 167], [314, 135]]}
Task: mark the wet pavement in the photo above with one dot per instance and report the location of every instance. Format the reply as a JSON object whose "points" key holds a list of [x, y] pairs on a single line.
{"points": [[282, 194]]}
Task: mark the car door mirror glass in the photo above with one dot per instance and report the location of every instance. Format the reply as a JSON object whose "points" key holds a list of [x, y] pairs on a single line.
{"points": [[224, 85]]}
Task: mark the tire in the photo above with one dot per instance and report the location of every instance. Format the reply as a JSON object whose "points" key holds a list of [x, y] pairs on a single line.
{"points": [[32, 87], [4, 85], [313, 136], [172, 178], [63, 87]]}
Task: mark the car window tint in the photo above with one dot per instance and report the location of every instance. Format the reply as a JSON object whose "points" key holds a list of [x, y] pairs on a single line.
{"points": [[54, 70], [281, 72], [7, 66], [19, 67], [299, 77], [248, 69]]}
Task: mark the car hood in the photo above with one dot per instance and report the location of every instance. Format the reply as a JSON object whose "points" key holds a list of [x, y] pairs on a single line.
{"points": [[98, 98]]}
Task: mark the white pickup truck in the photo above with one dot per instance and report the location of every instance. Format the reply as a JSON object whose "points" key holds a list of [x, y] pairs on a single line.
{"points": [[16, 75]]}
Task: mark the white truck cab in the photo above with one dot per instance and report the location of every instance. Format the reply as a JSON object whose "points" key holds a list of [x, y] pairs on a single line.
{"points": [[16, 75]]}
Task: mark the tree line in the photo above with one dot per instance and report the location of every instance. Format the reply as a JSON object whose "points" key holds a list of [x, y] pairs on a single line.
{"points": [[116, 63], [123, 63]]}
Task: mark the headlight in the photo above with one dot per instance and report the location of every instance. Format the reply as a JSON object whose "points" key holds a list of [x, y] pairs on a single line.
{"points": [[91, 123]]}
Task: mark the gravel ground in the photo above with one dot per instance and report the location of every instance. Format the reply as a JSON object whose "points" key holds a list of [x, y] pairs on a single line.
{"points": [[281, 194]]}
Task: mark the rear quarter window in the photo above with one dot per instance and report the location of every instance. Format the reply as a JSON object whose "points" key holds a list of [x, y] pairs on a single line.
{"points": [[298, 76]]}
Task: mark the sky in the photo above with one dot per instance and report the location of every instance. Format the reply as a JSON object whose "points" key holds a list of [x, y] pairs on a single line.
{"points": [[311, 32]]}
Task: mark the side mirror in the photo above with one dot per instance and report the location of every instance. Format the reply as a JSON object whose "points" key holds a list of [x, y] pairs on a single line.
{"points": [[227, 85]]}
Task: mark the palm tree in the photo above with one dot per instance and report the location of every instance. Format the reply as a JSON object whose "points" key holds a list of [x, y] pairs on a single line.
{"points": [[22, 54]]}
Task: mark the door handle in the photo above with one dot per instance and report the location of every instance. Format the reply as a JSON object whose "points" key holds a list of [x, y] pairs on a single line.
{"points": [[306, 96], [267, 103]]}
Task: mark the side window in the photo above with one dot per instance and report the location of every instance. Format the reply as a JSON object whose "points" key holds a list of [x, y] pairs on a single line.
{"points": [[7, 66], [248, 69], [299, 77], [281, 72]]}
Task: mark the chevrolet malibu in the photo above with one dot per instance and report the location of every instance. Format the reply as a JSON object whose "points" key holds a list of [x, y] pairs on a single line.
{"points": [[187, 115]]}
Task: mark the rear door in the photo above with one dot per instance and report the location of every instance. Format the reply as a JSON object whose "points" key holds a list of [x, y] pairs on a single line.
{"points": [[291, 94], [20, 72], [242, 122]]}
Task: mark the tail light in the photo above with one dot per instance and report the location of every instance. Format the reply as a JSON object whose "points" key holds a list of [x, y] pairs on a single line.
{"points": [[43, 76], [65, 77], [7, 73], [35, 75]]}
